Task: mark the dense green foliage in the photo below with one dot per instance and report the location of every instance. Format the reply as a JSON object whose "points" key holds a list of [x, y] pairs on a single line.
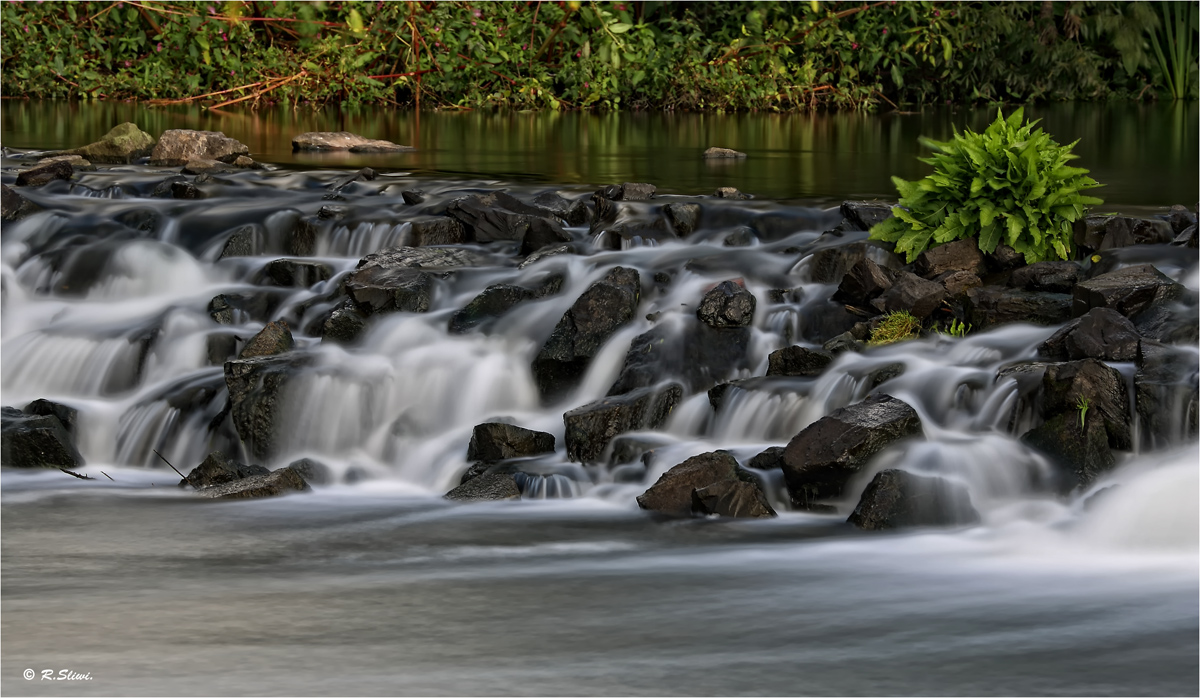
{"points": [[533, 55], [1009, 184]]}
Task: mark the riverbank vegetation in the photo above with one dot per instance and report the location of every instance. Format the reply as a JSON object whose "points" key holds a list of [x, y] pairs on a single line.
{"points": [[600, 55]]}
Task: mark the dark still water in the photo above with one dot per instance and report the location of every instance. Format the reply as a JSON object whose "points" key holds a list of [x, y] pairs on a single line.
{"points": [[1145, 155]]}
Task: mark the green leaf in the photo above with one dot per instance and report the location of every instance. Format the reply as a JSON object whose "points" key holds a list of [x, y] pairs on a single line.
{"points": [[355, 22], [619, 27]]}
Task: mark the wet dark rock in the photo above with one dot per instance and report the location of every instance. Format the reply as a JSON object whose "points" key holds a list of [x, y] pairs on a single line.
{"points": [[863, 215], [743, 236], [304, 235], [220, 347], [77, 162], [1171, 317], [429, 259], [1052, 277], [545, 252], [684, 218], [1100, 334], [842, 343], [255, 388], [1079, 450], [143, 219], [1121, 231], [120, 146], [201, 166], [495, 441], [67, 416], [35, 441], [884, 374], [177, 146], [770, 459], [486, 487], [730, 193], [272, 484], [245, 241], [798, 361], [911, 293], [699, 356], [183, 189], [898, 499], [412, 197], [591, 427], [1004, 258], [493, 302], [628, 191], [960, 255], [1127, 291], [295, 273], [1167, 395], [710, 483], [863, 283], [1180, 218], [365, 174], [218, 469], [235, 308], [488, 217], [727, 305], [345, 324], [573, 212], [830, 264], [600, 311], [314, 472], [1065, 384], [275, 338], [987, 306], [13, 206], [542, 233], [1186, 238], [380, 290], [44, 174], [721, 153], [957, 283], [824, 456]]}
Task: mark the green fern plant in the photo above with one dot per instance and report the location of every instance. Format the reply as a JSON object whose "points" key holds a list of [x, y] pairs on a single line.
{"points": [[1009, 184], [1082, 404]]}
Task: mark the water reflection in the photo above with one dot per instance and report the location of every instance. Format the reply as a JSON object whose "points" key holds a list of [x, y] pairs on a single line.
{"points": [[820, 158]]}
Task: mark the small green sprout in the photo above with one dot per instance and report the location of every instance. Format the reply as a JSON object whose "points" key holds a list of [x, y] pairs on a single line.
{"points": [[1082, 404], [957, 329]]}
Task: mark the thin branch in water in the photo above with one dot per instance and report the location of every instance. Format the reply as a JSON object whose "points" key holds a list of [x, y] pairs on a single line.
{"points": [[164, 459], [74, 474], [261, 92], [107, 475]]}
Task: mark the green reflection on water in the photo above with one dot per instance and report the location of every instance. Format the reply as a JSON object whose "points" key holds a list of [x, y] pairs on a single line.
{"points": [[1147, 155]]}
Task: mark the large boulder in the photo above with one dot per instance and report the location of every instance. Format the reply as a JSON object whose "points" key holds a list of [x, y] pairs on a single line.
{"points": [[591, 427], [570, 211], [218, 469], [1076, 444], [1128, 291], [728, 304], [864, 282], [1066, 385], [1100, 334], [707, 484], [599, 312], [35, 441], [494, 441], [275, 338], [44, 174], [898, 499], [177, 146], [256, 387], [272, 484], [120, 146], [825, 455], [988, 306], [67, 416]]}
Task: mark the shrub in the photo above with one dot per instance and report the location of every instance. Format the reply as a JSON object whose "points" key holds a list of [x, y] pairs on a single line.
{"points": [[1008, 184]]}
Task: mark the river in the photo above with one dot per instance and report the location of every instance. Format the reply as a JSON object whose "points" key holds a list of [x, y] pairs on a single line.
{"points": [[376, 585]]}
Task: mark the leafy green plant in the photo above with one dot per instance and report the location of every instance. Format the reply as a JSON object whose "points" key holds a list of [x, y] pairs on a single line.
{"points": [[896, 327], [1009, 184], [957, 329], [1178, 62], [1082, 404]]}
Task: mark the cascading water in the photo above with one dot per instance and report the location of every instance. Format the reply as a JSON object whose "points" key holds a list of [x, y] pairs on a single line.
{"points": [[110, 306]]}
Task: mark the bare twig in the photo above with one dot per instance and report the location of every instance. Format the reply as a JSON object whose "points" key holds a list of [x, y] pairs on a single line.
{"points": [[164, 459], [73, 474], [887, 100], [158, 102], [107, 475], [261, 92]]}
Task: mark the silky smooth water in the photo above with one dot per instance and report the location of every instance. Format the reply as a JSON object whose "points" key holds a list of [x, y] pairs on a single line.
{"points": [[376, 585]]}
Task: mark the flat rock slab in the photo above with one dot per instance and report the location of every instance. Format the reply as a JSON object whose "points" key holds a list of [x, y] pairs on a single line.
{"points": [[344, 140], [798, 361], [723, 153], [273, 484], [824, 456], [898, 499], [987, 306], [44, 174], [1127, 291], [217, 469], [494, 441], [177, 147], [486, 487], [1100, 334]]}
